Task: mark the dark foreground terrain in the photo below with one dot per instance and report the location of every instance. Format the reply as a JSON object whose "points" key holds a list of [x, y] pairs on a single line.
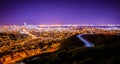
{"points": [[72, 51]]}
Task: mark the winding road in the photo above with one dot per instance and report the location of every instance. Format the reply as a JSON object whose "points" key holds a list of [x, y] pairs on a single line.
{"points": [[86, 43]]}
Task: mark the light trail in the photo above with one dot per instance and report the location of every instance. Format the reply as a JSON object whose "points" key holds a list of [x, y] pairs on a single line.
{"points": [[27, 32], [87, 44]]}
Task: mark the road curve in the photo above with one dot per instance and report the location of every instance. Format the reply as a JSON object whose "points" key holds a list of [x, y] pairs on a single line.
{"points": [[86, 43]]}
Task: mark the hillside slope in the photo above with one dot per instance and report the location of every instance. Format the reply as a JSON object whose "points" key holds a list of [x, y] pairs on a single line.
{"points": [[105, 53]]}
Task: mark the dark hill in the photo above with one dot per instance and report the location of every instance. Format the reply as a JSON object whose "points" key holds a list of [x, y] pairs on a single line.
{"points": [[71, 42], [105, 54], [102, 39]]}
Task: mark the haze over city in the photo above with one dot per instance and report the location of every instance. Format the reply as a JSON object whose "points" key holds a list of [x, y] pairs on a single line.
{"points": [[59, 12]]}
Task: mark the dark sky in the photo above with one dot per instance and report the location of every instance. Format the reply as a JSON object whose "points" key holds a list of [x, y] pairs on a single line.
{"points": [[59, 12]]}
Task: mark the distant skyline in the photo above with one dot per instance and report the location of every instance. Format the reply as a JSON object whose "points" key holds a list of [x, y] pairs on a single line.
{"points": [[16, 12]]}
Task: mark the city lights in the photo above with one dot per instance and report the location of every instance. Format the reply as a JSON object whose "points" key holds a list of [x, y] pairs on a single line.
{"points": [[23, 40]]}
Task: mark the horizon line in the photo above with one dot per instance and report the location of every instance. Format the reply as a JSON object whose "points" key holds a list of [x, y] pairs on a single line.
{"points": [[64, 25]]}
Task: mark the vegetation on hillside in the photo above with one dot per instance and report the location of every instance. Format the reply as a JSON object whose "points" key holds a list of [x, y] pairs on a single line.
{"points": [[71, 52]]}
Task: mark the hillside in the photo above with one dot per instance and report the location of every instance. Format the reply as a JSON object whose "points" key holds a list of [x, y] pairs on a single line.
{"points": [[106, 51], [102, 39]]}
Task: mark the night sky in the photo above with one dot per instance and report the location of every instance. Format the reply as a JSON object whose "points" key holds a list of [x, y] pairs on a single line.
{"points": [[59, 12]]}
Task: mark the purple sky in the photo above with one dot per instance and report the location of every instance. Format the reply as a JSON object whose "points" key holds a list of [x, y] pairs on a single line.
{"points": [[60, 11]]}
